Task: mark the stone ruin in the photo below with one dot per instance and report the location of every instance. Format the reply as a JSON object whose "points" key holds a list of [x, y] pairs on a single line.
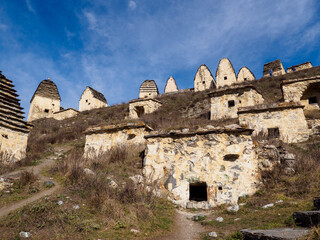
{"points": [[203, 79], [225, 102], [245, 75], [171, 86], [148, 89], [273, 68], [225, 74], [45, 101], [13, 129], [305, 90], [285, 121], [91, 99], [299, 67], [139, 107]]}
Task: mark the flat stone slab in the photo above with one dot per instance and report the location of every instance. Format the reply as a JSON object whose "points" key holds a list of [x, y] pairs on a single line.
{"points": [[307, 219], [275, 234]]}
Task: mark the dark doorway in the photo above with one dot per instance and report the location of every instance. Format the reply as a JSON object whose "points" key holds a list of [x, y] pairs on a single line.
{"points": [[313, 100], [140, 111], [231, 103], [198, 191]]}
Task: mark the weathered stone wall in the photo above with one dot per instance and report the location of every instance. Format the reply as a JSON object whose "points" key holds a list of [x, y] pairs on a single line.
{"points": [[43, 107], [101, 139], [225, 74], [225, 104], [142, 106], [224, 160], [245, 75], [13, 144], [300, 90], [299, 67], [203, 79], [171, 86], [88, 101], [65, 113], [289, 118]]}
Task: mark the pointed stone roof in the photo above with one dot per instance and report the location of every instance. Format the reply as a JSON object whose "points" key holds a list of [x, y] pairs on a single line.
{"points": [[148, 87], [96, 94], [47, 89], [245, 74], [171, 85], [11, 114], [203, 79]]}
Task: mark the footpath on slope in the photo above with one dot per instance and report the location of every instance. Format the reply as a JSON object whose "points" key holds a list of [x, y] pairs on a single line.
{"points": [[37, 170], [185, 228]]}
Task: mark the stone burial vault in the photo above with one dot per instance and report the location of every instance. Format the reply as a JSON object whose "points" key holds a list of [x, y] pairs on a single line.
{"points": [[226, 101], [45, 101], [285, 121], [203, 79], [171, 86], [65, 113], [305, 90], [148, 89], [13, 129], [139, 107], [205, 168], [91, 99]]}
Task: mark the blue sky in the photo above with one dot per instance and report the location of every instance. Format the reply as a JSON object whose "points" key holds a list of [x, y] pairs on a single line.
{"points": [[114, 45]]}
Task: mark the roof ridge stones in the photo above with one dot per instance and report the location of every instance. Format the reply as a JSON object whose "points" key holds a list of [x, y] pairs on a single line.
{"points": [[48, 89], [11, 115], [96, 94]]}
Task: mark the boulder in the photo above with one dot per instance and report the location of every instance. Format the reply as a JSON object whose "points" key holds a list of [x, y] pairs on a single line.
{"points": [[275, 234], [307, 219]]}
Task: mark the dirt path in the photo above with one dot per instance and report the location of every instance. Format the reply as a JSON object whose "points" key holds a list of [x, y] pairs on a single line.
{"points": [[46, 163], [185, 228]]}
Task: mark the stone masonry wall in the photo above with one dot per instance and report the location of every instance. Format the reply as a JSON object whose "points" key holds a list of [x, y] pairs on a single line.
{"points": [[43, 107], [225, 74], [13, 143], [290, 121], [225, 161]]}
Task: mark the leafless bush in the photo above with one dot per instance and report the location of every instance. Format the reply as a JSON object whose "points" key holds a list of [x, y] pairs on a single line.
{"points": [[26, 178]]}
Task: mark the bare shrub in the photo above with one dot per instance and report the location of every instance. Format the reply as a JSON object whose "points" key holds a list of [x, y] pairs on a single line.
{"points": [[26, 178]]}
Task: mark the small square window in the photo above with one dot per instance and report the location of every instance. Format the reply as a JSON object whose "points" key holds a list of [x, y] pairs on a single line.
{"points": [[313, 100], [245, 79], [46, 110], [5, 136], [220, 188], [225, 78], [203, 82], [273, 133], [231, 103]]}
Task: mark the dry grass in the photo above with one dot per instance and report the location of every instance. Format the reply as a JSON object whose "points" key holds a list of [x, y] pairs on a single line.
{"points": [[26, 178]]}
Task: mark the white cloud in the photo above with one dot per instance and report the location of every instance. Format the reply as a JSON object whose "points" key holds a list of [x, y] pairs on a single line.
{"points": [[30, 8], [132, 5]]}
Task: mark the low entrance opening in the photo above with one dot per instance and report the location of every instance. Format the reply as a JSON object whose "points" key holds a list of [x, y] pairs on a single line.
{"points": [[139, 111], [273, 133], [313, 100], [198, 192]]}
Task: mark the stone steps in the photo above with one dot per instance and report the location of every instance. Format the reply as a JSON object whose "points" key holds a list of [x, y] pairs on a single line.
{"points": [[275, 234]]}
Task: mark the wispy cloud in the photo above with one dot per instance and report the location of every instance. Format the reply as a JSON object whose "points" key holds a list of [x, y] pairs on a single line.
{"points": [[30, 8], [132, 5]]}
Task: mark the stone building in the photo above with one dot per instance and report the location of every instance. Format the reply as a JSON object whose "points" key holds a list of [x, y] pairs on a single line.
{"points": [[45, 101], [13, 129], [245, 75], [285, 121], [171, 86], [225, 74], [91, 99], [305, 90], [139, 107], [203, 79], [273, 68], [203, 169], [65, 113], [148, 89], [299, 67], [102, 138], [225, 102]]}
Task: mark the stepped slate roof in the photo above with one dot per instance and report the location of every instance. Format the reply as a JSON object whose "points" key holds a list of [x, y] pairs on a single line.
{"points": [[48, 89], [149, 86], [11, 115], [97, 95]]}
